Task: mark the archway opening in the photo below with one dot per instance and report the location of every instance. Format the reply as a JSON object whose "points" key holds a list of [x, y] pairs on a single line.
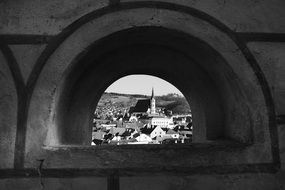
{"points": [[142, 109], [221, 108]]}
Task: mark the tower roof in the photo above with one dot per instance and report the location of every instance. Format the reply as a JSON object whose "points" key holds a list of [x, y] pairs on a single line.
{"points": [[152, 93]]}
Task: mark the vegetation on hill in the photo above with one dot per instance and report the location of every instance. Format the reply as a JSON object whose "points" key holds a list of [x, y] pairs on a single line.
{"points": [[173, 102], [118, 103]]}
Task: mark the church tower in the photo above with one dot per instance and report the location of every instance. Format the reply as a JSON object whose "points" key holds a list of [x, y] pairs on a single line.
{"points": [[152, 103]]}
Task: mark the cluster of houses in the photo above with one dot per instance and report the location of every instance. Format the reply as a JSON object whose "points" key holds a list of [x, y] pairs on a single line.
{"points": [[144, 126], [149, 134]]}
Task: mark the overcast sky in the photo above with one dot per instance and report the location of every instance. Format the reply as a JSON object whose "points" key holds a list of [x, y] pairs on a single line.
{"points": [[142, 84]]}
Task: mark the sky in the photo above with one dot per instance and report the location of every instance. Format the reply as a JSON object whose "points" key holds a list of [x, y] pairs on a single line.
{"points": [[142, 84]]}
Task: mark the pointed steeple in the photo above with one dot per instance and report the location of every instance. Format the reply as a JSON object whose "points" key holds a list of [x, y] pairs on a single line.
{"points": [[152, 93], [152, 102]]}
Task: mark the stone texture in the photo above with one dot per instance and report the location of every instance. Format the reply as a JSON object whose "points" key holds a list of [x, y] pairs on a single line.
{"points": [[239, 90], [205, 182], [281, 135], [86, 183], [249, 15], [26, 56], [270, 57], [8, 115], [50, 17], [43, 17], [235, 80]]}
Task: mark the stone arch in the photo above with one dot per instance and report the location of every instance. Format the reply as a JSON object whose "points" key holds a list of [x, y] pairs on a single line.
{"points": [[152, 44], [233, 73]]}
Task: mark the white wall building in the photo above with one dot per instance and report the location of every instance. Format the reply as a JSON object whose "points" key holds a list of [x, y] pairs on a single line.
{"points": [[163, 122], [144, 138], [157, 132]]}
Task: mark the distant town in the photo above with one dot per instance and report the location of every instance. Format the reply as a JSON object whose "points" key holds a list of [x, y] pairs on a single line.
{"points": [[122, 119]]}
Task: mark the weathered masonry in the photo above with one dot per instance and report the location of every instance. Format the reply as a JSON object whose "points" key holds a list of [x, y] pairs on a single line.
{"points": [[58, 57]]}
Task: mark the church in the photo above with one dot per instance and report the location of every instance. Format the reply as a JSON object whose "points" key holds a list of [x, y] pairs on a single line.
{"points": [[144, 107], [145, 111]]}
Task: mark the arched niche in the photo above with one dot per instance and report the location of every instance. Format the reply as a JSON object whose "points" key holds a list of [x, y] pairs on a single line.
{"points": [[187, 62], [203, 60]]}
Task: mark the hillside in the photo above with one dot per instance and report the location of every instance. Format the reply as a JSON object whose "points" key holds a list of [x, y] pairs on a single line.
{"points": [[173, 102], [117, 104]]}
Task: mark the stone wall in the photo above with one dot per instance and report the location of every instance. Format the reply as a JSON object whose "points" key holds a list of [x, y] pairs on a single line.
{"points": [[46, 45]]}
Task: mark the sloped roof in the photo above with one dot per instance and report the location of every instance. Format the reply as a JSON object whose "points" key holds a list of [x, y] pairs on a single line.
{"points": [[170, 131], [146, 130], [136, 135], [142, 105], [128, 132], [97, 141], [115, 130], [98, 135], [164, 129]]}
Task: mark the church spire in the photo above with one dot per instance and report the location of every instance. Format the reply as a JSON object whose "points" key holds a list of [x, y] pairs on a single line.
{"points": [[152, 102], [152, 93]]}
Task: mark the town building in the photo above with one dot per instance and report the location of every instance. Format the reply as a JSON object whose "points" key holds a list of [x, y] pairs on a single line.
{"points": [[153, 131], [143, 138], [144, 107], [171, 134], [161, 121], [145, 111]]}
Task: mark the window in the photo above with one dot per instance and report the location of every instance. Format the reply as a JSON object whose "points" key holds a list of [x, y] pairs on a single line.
{"points": [[125, 98]]}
